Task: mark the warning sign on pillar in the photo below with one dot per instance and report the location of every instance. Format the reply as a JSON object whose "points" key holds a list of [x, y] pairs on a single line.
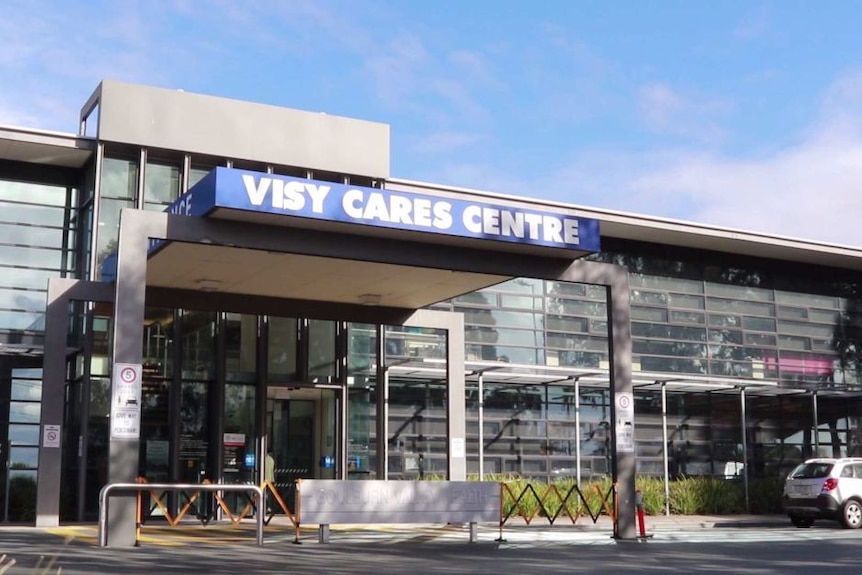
{"points": [[625, 424], [50, 436], [126, 401]]}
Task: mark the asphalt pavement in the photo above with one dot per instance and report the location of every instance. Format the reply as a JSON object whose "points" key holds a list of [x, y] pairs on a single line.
{"points": [[536, 547]]}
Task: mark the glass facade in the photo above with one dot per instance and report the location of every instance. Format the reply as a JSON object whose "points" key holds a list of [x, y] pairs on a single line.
{"points": [[38, 229], [746, 318], [692, 314], [35, 245]]}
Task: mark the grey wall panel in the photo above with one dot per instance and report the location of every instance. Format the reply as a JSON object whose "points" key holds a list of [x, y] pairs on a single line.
{"points": [[199, 124]]}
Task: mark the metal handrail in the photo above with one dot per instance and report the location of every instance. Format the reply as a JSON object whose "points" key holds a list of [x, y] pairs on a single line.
{"points": [[107, 490]]}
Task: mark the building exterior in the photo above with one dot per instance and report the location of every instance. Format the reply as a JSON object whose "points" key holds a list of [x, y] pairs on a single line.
{"points": [[745, 348]]}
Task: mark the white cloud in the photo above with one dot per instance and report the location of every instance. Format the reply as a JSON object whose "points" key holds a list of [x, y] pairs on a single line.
{"points": [[810, 188], [55, 57], [812, 191], [667, 111]]}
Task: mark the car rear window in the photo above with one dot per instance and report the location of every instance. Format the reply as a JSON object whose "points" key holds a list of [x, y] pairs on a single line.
{"points": [[811, 471]]}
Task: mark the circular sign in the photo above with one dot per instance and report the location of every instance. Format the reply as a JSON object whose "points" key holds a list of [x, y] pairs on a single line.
{"points": [[625, 401], [127, 374], [52, 436]]}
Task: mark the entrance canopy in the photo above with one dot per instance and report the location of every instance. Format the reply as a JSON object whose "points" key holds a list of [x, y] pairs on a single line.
{"points": [[409, 220], [302, 277]]}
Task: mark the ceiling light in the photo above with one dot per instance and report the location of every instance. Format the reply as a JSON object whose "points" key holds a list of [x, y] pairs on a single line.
{"points": [[370, 299], [208, 285]]}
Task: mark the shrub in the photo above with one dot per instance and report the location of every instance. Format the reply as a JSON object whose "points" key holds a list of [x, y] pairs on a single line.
{"points": [[723, 496], [688, 496], [652, 489], [764, 495], [530, 497]]}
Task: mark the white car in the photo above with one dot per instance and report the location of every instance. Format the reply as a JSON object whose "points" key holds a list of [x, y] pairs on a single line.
{"points": [[825, 488]]}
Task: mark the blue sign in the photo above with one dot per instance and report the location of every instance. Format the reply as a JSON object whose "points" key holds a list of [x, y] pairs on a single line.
{"points": [[327, 462], [273, 194], [249, 460]]}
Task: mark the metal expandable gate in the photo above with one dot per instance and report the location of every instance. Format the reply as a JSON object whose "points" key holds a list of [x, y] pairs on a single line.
{"points": [[519, 505]]}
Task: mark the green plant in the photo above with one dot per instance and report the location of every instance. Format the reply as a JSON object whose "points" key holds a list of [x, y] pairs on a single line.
{"points": [[652, 490], [533, 498], [721, 496], [686, 496], [764, 495]]}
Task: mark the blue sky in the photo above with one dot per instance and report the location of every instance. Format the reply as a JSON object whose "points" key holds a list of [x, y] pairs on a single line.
{"points": [[739, 114]]}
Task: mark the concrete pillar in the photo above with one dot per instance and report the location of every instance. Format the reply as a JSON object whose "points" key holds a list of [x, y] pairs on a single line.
{"points": [[453, 323], [61, 292], [129, 302], [616, 281]]}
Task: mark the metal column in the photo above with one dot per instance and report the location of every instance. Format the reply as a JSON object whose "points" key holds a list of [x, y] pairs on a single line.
{"points": [[744, 443], [382, 424], [481, 426], [665, 459], [578, 431], [816, 424]]}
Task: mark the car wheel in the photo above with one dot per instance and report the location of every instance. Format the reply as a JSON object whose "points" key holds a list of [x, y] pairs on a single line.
{"points": [[801, 521], [851, 514]]}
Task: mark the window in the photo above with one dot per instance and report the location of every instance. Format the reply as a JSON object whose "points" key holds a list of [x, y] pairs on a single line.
{"points": [[161, 185]]}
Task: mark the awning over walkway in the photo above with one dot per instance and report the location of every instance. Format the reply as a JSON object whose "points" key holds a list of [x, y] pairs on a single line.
{"points": [[495, 372]]}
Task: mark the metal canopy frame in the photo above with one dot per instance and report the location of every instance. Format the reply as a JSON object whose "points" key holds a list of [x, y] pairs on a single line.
{"points": [[495, 372]]}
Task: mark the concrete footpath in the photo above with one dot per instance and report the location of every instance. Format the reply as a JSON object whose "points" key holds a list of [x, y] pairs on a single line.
{"points": [[667, 522]]}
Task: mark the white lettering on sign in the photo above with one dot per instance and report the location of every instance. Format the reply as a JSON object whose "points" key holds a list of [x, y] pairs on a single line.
{"points": [[497, 222], [292, 195], [182, 207], [626, 438], [398, 209], [305, 197]]}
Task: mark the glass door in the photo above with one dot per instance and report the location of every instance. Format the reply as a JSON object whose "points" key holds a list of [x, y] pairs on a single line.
{"points": [[293, 439], [302, 431]]}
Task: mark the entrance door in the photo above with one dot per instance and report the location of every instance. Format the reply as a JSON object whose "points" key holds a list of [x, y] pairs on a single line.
{"points": [[301, 426], [291, 431]]}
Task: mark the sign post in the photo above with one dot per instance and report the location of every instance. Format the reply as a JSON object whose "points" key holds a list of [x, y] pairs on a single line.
{"points": [[126, 401]]}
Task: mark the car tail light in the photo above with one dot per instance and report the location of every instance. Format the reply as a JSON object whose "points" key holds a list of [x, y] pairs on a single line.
{"points": [[830, 484]]}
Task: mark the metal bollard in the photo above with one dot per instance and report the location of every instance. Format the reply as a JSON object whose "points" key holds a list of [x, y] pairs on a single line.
{"points": [[639, 505]]}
